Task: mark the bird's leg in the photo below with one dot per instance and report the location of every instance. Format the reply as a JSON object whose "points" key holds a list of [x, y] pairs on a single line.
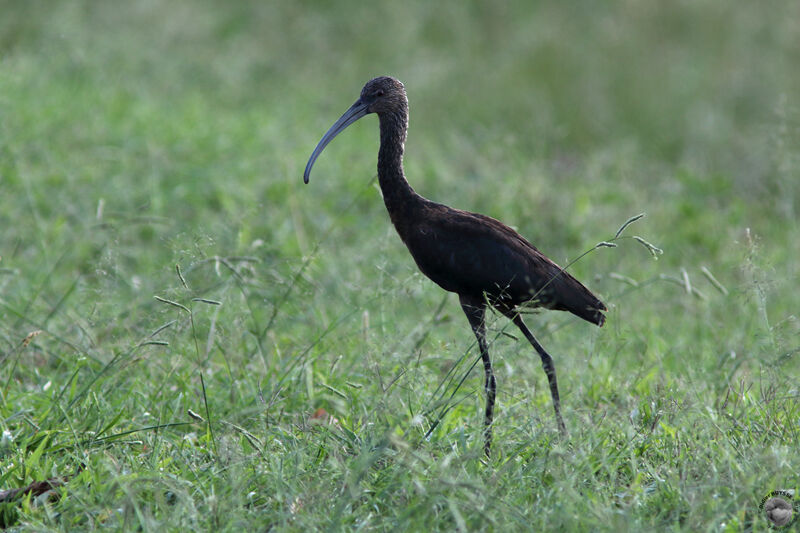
{"points": [[475, 309], [547, 363]]}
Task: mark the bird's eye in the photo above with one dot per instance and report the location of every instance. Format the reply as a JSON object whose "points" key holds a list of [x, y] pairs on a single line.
{"points": [[379, 92]]}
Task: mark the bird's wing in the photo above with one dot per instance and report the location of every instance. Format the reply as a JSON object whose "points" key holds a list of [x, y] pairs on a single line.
{"points": [[468, 253]]}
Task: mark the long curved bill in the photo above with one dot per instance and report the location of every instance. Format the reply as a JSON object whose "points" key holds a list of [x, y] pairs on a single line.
{"points": [[355, 112]]}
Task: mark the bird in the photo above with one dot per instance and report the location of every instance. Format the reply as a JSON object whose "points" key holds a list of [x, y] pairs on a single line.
{"points": [[778, 510], [482, 260]]}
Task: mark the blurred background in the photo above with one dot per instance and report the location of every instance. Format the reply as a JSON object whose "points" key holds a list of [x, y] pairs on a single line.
{"points": [[137, 135]]}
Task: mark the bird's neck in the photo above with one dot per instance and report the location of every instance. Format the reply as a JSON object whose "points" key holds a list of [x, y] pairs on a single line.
{"points": [[397, 193]]}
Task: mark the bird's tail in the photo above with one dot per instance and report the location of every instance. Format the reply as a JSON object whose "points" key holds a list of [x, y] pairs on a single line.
{"points": [[578, 300]]}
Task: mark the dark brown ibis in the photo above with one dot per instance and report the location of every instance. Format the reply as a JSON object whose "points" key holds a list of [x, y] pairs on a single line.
{"points": [[475, 256]]}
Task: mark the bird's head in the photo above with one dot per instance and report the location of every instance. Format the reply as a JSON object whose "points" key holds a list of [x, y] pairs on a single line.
{"points": [[380, 95], [383, 95]]}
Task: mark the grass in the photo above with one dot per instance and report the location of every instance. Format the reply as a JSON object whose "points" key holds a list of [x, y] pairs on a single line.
{"points": [[285, 374]]}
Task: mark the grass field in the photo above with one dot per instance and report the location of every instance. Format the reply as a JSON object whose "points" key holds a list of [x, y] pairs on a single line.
{"points": [[193, 339]]}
